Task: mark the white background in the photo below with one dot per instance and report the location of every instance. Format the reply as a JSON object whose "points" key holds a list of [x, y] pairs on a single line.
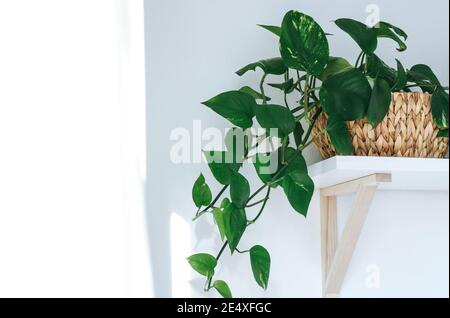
{"points": [[72, 149], [193, 49]]}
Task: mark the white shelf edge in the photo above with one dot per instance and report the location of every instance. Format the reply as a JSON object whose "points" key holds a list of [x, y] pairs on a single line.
{"points": [[426, 174]]}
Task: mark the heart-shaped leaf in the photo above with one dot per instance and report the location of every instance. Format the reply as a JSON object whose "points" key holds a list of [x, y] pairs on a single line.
{"points": [[440, 108], [235, 221], [346, 94], [303, 43], [222, 288], [379, 102], [273, 66], [260, 261], [202, 263], [339, 135], [334, 66], [223, 165], [364, 36], [275, 117], [235, 106], [239, 190], [201, 193], [299, 189]]}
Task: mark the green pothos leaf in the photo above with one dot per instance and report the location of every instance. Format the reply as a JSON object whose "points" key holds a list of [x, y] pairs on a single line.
{"points": [[299, 189], [222, 288], [303, 43], [202, 263], [260, 261], [201, 193], [273, 66], [235, 106]]}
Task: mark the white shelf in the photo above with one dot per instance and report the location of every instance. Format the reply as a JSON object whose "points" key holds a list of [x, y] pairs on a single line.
{"points": [[407, 173]]}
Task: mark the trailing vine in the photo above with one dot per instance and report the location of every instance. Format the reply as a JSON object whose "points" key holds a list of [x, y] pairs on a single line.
{"points": [[321, 83]]}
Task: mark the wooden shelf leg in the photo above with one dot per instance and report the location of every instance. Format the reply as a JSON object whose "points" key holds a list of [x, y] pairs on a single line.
{"points": [[329, 234], [337, 254]]}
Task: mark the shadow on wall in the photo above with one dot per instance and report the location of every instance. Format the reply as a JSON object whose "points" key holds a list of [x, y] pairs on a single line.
{"points": [[169, 235]]}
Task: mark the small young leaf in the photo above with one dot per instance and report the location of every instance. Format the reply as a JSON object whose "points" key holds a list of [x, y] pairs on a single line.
{"points": [[204, 264], [286, 87], [225, 202], [299, 189], [386, 30], [334, 66], [235, 106], [223, 165], [223, 289], [364, 36], [275, 116], [401, 79], [303, 43], [260, 261], [346, 94], [440, 108], [201, 193], [274, 66], [340, 137], [256, 95], [272, 28], [239, 190], [235, 221], [219, 219], [379, 102]]}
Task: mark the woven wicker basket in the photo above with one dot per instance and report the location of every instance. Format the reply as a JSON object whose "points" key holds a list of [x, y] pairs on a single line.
{"points": [[407, 131]]}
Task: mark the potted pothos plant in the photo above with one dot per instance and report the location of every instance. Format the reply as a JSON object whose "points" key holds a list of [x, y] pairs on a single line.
{"points": [[324, 86]]}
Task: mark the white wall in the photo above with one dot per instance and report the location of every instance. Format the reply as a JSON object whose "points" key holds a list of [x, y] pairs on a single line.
{"points": [[193, 49], [72, 149]]}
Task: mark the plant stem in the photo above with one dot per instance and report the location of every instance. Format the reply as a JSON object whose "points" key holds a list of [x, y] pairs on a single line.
{"points": [[261, 87], [256, 192], [198, 215], [311, 126], [262, 208], [242, 252], [221, 250], [286, 101], [358, 60], [306, 99], [215, 200], [256, 203], [209, 280], [365, 63]]}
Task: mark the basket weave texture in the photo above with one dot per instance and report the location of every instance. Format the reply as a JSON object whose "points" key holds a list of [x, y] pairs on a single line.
{"points": [[408, 130]]}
